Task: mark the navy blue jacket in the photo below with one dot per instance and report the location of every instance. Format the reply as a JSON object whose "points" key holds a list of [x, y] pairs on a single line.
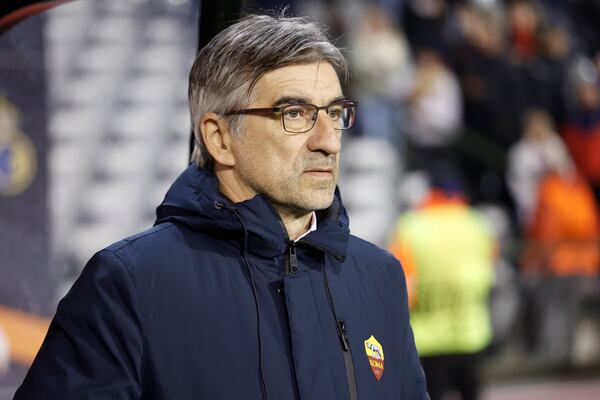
{"points": [[215, 302]]}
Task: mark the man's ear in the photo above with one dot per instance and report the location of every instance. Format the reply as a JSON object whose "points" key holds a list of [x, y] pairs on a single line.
{"points": [[217, 138]]}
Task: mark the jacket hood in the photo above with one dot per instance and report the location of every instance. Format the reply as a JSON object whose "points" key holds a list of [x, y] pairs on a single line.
{"points": [[194, 200]]}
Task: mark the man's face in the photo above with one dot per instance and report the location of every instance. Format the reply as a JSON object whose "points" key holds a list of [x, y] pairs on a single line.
{"points": [[298, 172]]}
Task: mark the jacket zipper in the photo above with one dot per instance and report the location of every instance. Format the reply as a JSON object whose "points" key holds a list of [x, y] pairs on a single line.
{"points": [[337, 256], [291, 265], [347, 359]]}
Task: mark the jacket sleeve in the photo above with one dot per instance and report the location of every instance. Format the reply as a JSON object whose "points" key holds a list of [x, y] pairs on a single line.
{"points": [[94, 346], [419, 375]]}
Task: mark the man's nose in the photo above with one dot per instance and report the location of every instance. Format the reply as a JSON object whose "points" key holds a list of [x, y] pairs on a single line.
{"points": [[323, 136]]}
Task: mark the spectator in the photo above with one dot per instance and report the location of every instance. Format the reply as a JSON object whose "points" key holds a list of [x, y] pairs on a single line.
{"points": [[564, 227], [448, 255], [490, 86], [548, 70], [540, 52], [434, 113], [581, 131], [425, 22], [382, 70], [492, 93], [524, 26], [530, 159], [561, 256]]}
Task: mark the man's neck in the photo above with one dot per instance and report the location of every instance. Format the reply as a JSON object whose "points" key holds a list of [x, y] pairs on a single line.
{"points": [[295, 223]]}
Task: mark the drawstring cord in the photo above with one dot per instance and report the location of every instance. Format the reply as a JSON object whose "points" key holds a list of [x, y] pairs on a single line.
{"points": [[344, 341], [339, 323], [219, 205]]}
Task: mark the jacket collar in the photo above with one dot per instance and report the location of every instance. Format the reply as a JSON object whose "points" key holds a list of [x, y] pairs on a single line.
{"points": [[194, 200]]}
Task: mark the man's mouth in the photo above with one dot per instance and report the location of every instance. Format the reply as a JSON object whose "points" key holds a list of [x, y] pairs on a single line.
{"points": [[320, 172], [322, 168], [330, 170]]}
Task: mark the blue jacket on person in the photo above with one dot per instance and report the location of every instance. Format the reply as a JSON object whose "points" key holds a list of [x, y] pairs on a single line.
{"points": [[215, 302]]}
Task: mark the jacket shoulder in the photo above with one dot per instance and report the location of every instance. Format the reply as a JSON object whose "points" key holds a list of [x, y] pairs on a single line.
{"points": [[368, 258], [148, 237], [361, 250], [99, 319], [153, 247]]}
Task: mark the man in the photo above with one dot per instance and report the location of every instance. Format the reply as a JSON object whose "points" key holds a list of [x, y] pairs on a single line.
{"points": [[249, 286]]}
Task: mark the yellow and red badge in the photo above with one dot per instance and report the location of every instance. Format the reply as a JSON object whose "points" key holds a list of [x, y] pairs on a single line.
{"points": [[374, 351]]}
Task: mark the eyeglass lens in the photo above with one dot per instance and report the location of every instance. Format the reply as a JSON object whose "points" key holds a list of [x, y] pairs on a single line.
{"points": [[299, 118]]}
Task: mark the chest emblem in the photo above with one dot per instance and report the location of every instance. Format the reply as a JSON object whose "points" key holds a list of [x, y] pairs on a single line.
{"points": [[374, 351]]}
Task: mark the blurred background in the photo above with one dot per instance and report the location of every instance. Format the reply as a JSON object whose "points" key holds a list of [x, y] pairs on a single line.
{"points": [[475, 159]]}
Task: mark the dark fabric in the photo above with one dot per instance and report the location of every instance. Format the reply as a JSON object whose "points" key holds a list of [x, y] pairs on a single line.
{"points": [[452, 373], [495, 93], [201, 307]]}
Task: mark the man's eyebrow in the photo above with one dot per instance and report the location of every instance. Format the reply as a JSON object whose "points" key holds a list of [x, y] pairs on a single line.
{"points": [[339, 98], [290, 100], [301, 100]]}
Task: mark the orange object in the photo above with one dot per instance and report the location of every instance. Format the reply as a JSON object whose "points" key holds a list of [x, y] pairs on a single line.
{"points": [[437, 197], [401, 251], [563, 234], [25, 333]]}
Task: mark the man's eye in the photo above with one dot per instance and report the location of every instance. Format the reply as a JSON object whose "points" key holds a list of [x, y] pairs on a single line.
{"points": [[293, 113], [334, 113]]}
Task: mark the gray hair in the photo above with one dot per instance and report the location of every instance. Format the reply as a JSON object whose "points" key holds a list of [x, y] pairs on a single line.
{"points": [[227, 68]]}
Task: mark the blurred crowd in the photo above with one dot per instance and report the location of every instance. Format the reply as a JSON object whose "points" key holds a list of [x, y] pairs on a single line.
{"points": [[502, 92]]}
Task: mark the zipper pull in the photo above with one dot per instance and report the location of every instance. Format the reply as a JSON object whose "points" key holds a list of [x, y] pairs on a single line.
{"points": [[292, 261], [343, 336]]}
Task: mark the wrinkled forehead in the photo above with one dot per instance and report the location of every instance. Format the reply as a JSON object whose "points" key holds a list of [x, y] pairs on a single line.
{"points": [[316, 83]]}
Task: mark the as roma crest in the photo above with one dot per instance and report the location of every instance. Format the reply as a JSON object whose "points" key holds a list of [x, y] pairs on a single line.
{"points": [[374, 351]]}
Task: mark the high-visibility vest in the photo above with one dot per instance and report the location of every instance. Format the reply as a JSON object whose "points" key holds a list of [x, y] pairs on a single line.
{"points": [[450, 267]]}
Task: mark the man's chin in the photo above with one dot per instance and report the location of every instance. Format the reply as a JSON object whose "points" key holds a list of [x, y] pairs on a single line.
{"points": [[319, 202], [307, 204]]}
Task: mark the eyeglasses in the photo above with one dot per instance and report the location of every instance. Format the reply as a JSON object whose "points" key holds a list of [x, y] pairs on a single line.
{"points": [[300, 118]]}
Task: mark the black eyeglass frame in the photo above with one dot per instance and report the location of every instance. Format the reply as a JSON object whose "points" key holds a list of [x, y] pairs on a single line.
{"points": [[280, 109]]}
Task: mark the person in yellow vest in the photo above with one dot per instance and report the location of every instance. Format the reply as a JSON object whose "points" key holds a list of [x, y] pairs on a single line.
{"points": [[448, 253]]}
